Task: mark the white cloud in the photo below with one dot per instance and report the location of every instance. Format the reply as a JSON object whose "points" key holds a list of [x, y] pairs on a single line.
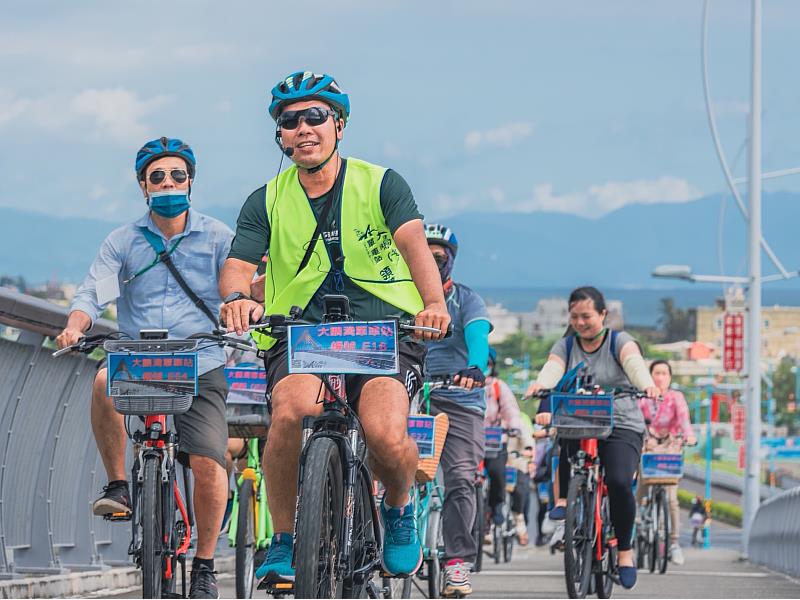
{"points": [[593, 202], [599, 200], [505, 135], [11, 108], [98, 191], [115, 114]]}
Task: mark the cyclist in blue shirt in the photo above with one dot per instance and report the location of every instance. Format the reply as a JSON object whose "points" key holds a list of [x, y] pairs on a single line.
{"points": [[149, 297], [466, 354]]}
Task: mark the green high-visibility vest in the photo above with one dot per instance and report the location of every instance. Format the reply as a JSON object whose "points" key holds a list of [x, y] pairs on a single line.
{"points": [[371, 258]]}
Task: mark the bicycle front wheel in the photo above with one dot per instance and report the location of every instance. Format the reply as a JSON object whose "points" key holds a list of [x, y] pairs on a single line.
{"points": [[479, 527], [245, 541], [662, 531], [319, 521], [603, 581], [579, 534], [151, 526], [434, 541]]}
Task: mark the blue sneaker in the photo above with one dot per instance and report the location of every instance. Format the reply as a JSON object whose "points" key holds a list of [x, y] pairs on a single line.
{"points": [[277, 567], [402, 551], [627, 577], [559, 513]]}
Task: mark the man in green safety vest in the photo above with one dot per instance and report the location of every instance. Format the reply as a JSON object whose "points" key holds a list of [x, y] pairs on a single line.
{"points": [[332, 225]]}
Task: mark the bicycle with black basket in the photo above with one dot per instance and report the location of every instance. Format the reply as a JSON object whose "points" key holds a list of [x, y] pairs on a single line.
{"points": [[590, 544], [338, 537], [660, 467], [503, 534], [250, 526], [151, 378]]}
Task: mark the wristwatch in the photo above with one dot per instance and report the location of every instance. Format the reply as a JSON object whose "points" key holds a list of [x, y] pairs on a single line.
{"points": [[236, 296]]}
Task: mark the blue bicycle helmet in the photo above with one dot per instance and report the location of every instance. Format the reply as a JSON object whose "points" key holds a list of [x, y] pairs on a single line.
{"points": [[441, 235], [164, 146], [305, 85]]}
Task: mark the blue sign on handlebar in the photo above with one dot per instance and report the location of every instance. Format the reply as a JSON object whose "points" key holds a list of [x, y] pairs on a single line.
{"points": [[151, 375], [353, 347]]}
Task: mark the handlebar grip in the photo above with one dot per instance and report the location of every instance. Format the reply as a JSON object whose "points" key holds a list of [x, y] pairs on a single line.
{"points": [[62, 351]]}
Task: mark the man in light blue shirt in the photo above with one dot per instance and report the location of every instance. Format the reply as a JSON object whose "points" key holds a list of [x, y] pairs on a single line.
{"points": [[148, 296]]}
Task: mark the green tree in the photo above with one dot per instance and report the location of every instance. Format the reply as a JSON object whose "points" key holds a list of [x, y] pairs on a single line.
{"points": [[783, 390], [676, 323]]}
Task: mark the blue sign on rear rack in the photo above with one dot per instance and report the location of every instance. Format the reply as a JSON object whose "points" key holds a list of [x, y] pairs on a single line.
{"points": [[246, 383], [511, 476], [354, 347], [493, 439], [151, 375], [421, 430]]}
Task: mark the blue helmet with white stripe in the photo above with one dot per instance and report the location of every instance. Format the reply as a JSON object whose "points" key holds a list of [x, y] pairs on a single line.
{"points": [[305, 85], [161, 147], [441, 235]]}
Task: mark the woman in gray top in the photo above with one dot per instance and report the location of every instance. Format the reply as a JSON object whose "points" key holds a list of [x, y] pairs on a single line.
{"points": [[615, 360]]}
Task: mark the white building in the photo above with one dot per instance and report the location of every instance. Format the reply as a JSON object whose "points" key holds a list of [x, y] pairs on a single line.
{"points": [[505, 322]]}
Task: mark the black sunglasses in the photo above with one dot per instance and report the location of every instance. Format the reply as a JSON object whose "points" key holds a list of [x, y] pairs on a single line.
{"points": [[178, 176], [313, 116]]}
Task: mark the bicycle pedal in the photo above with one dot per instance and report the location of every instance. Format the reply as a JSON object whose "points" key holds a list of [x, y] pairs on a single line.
{"points": [[121, 516], [277, 588]]}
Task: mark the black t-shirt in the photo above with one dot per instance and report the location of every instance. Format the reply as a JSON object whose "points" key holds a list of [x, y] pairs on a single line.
{"points": [[253, 234]]}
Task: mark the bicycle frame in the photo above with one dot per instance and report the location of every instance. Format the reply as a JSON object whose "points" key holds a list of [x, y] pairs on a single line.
{"points": [[254, 474], [587, 461], [157, 439]]}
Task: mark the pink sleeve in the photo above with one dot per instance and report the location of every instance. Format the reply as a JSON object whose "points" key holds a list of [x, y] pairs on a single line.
{"points": [[645, 408], [682, 415], [509, 409]]}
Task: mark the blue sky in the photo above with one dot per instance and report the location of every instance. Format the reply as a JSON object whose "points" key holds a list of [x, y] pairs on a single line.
{"points": [[512, 106]]}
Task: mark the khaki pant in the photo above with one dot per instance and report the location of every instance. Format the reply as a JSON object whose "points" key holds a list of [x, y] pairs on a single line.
{"points": [[674, 508]]}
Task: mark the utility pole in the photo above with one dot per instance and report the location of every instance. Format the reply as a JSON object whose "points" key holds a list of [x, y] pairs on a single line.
{"points": [[752, 475]]}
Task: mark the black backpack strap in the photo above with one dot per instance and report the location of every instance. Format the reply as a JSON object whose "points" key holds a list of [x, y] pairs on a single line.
{"points": [[167, 260], [315, 236]]}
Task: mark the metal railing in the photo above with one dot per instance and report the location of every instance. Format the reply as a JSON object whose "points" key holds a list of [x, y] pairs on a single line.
{"points": [[775, 533], [50, 469]]}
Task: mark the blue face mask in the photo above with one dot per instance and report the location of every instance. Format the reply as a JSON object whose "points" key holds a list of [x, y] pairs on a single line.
{"points": [[169, 204]]}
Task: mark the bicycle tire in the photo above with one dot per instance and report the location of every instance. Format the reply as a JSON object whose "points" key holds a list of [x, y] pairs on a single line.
{"points": [[497, 542], [509, 534], [603, 581], [479, 527], [578, 537], [319, 521], [434, 566], [652, 534], [245, 541], [364, 540], [397, 587], [662, 531], [152, 526]]}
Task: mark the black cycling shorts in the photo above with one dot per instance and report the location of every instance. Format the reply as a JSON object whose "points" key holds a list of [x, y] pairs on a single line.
{"points": [[411, 361]]}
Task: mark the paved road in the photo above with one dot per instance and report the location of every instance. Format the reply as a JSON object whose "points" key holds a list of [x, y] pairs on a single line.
{"points": [[534, 573]]}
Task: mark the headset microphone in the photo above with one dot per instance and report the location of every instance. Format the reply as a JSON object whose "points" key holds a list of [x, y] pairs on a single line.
{"points": [[288, 151]]}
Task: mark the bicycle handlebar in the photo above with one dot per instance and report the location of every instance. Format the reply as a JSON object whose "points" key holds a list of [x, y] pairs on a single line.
{"points": [[88, 343], [276, 326]]}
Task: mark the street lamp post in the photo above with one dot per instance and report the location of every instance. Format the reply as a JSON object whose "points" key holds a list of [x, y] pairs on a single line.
{"points": [[752, 476]]}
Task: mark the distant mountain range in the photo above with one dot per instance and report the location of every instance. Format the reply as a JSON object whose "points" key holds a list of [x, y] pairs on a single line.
{"points": [[516, 250]]}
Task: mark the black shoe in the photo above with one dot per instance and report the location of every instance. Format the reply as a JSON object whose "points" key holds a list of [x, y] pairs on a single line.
{"points": [[204, 583], [116, 500]]}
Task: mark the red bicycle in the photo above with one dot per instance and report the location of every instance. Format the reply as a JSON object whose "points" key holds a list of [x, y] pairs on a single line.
{"points": [[149, 379], [590, 544]]}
